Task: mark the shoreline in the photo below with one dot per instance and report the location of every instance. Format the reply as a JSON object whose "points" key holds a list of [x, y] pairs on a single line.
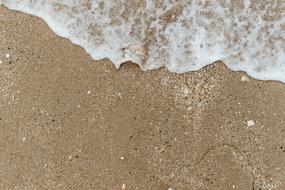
{"points": [[69, 122]]}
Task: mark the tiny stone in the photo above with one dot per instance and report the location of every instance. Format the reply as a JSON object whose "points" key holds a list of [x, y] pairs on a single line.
{"points": [[122, 158], [1, 61], [89, 92], [24, 139], [124, 187], [250, 123], [244, 79], [70, 157], [7, 55]]}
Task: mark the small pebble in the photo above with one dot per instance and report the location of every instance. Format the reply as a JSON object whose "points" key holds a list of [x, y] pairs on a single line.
{"points": [[250, 123], [7, 55], [122, 158], [124, 187], [1, 61], [244, 79], [89, 92]]}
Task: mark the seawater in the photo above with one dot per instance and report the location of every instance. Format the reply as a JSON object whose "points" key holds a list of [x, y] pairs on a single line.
{"points": [[247, 35]]}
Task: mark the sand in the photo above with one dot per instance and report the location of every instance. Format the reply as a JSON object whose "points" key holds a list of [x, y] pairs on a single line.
{"points": [[69, 122]]}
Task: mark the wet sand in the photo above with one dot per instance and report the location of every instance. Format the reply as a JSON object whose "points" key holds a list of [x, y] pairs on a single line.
{"points": [[69, 122]]}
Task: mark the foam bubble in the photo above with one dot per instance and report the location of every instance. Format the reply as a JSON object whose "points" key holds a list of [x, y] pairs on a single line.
{"points": [[180, 35]]}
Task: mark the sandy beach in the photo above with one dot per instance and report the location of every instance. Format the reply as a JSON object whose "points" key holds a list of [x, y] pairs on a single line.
{"points": [[69, 122]]}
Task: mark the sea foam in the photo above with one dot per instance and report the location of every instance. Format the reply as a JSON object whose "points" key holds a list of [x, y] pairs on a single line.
{"points": [[247, 35]]}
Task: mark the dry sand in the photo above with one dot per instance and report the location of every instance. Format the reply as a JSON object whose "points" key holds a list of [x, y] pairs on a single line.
{"points": [[68, 122]]}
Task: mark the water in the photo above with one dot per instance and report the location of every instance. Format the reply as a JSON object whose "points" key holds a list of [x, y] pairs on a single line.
{"points": [[247, 35]]}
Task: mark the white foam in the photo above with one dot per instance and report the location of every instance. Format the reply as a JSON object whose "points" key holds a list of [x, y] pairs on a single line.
{"points": [[181, 35]]}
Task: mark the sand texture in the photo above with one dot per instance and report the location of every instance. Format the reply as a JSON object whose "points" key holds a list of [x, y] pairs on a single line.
{"points": [[69, 122]]}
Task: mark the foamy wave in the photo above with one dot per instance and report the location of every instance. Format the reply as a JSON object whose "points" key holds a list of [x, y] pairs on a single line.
{"points": [[247, 35]]}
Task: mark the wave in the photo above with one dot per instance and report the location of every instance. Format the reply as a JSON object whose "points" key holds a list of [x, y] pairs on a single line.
{"points": [[247, 35]]}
